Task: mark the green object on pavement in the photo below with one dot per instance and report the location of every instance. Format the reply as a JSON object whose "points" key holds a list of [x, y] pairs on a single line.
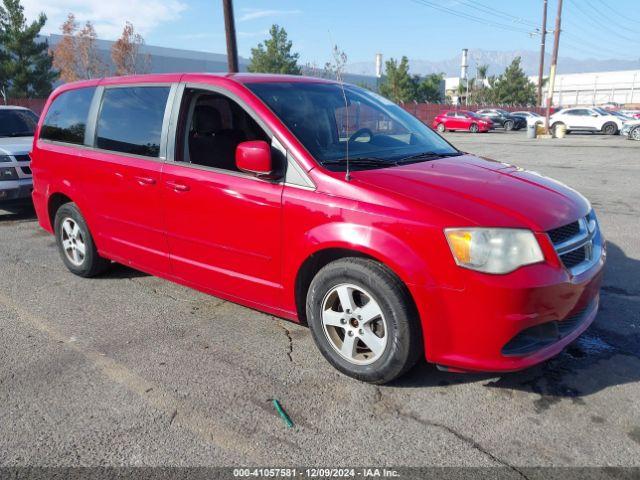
{"points": [[282, 413]]}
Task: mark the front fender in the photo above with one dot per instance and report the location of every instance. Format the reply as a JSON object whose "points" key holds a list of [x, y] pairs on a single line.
{"points": [[390, 250]]}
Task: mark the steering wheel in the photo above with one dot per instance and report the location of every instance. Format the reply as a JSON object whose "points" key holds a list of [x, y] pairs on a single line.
{"points": [[359, 133]]}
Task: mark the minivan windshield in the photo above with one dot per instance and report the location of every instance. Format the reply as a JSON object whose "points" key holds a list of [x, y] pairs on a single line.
{"points": [[329, 121], [17, 123]]}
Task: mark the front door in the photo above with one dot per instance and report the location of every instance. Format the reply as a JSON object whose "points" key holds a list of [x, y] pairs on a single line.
{"points": [[223, 226]]}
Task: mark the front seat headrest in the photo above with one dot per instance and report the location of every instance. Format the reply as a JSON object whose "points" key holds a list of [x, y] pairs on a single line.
{"points": [[206, 120]]}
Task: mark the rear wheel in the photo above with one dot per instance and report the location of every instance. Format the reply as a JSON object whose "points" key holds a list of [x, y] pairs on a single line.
{"points": [[508, 125], [441, 128], [609, 128], [75, 243], [473, 128], [363, 320]]}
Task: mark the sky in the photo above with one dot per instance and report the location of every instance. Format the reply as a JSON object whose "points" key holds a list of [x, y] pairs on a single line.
{"points": [[419, 29]]}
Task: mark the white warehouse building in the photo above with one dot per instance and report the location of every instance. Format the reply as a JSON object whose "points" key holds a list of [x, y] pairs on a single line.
{"points": [[597, 88], [585, 89]]}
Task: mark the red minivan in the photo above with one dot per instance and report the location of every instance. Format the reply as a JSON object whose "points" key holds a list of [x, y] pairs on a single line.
{"points": [[324, 204]]}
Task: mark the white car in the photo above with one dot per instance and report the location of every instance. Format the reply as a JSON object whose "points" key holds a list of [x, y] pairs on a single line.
{"points": [[17, 126], [582, 119], [532, 117]]}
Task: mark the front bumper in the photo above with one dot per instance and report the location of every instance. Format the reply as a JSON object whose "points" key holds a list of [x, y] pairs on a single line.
{"points": [[15, 191], [501, 323]]}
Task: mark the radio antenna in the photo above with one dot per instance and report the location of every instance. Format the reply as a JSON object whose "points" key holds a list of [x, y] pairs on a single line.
{"points": [[340, 60]]}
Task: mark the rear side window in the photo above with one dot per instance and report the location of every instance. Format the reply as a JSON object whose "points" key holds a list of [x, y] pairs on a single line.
{"points": [[130, 120], [66, 119]]}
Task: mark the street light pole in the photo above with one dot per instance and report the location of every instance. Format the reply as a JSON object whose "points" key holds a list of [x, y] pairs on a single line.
{"points": [[554, 64], [230, 28]]}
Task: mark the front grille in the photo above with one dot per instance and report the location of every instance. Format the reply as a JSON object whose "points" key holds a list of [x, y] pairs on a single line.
{"points": [[564, 233], [26, 170], [578, 244], [574, 257], [22, 158]]}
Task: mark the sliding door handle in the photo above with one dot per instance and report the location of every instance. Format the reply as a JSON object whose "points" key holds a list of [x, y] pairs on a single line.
{"points": [[178, 187]]}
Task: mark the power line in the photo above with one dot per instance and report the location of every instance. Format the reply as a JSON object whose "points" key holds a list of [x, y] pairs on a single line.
{"points": [[633, 20], [492, 11], [473, 18], [602, 26]]}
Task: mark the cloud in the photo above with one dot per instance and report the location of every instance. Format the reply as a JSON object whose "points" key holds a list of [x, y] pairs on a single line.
{"points": [[108, 16], [255, 13]]}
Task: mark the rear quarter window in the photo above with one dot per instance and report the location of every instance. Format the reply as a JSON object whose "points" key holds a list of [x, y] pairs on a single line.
{"points": [[130, 120], [66, 119]]}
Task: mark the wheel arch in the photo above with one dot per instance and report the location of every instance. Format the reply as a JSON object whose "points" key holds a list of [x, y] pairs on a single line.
{"points": [[54, 202], [375, 245]]}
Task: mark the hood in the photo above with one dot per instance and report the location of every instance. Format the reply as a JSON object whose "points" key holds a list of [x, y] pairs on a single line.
{"points": [[15, 145], [482, 192]]}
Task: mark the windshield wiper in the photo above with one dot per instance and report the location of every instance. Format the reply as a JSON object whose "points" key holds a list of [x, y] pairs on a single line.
{"points": [[425, 156], [360, 161]]}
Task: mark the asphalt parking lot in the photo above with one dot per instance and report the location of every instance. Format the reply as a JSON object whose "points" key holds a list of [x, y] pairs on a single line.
{"points": [[129, 369]]}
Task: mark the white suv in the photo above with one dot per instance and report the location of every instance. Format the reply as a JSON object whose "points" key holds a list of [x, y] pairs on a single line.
{"points": [[17, 125], [587, 120]]}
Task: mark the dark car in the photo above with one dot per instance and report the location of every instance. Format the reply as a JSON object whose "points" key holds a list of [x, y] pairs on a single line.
{"points": [[503, 118]]}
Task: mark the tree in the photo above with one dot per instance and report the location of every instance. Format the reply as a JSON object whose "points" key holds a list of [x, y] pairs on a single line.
{"points": [[274, 55], [513, 87], [76, 56], [25, 63], [335, 67], [427, 89], [397, 85], [127, 55], [482, 71]]}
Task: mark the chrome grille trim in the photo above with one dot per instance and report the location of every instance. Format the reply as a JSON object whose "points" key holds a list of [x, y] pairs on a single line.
{"points": [[588, 238]]}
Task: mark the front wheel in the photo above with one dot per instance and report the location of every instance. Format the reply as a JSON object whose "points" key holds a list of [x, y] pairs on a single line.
{"points": [[508, 125], [473, 128], [441, 128], [75, 243], [363, 320], [635, 134]]}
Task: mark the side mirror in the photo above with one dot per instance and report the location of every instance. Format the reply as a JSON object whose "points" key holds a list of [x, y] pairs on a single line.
{"points": [[254, 157]]}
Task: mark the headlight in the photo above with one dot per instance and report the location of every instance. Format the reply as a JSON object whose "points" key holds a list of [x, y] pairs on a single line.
{"points": [[5, 158], [8, 173], [493, 250]]}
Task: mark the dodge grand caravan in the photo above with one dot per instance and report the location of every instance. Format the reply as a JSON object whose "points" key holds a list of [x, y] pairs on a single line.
{"points": [[324, 204]]}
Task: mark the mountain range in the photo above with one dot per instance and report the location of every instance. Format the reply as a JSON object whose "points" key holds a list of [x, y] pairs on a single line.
{"points": [[499, 60]]}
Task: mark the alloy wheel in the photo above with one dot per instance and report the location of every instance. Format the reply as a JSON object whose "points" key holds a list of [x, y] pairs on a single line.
{"points": [[354, 324], [73, 242]]}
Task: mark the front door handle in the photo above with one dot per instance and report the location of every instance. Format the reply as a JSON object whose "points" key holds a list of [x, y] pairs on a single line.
{"points": [[178, 187], [145, 180]]}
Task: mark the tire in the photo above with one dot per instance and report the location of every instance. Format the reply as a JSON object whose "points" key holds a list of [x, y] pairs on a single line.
{"points": [[634, 134], [384, 338], [473, 128], [441, 128], [75, 243], [610, 128], [508, 125]]}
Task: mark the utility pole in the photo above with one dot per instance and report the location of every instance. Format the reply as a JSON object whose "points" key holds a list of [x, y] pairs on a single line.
{"points": [[543, 38], [554, 64], [230, 28]]}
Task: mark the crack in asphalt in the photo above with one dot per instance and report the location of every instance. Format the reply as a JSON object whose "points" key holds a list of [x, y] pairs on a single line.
{"points": [[619, 292], [389, 404], [288, 334]]}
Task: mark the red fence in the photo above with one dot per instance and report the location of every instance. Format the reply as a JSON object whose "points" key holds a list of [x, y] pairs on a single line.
{"points": [[35, 104], [428, 111]]}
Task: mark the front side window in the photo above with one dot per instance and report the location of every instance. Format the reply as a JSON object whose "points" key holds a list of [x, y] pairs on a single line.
{"points": [[329, 122], [211, 126], [130, 120], [17, 123], [66, 119]]}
